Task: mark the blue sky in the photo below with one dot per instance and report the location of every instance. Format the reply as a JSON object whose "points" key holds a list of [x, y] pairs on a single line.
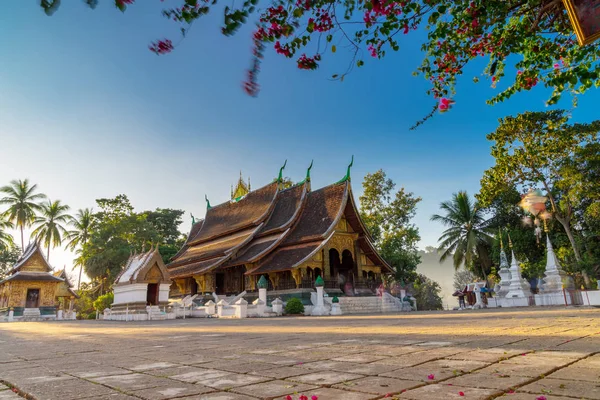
{"points": [[87, 111]]}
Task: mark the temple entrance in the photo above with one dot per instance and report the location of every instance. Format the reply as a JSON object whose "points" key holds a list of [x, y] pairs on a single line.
{"points": [[152, 294], [33, 298], [220, 283], [318, 273], [193, 287], [334, 262]]}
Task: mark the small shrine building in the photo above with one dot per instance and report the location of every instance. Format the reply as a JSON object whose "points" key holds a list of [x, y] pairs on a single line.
{"points": [[144, 281], [289, 235], [32, 288]]}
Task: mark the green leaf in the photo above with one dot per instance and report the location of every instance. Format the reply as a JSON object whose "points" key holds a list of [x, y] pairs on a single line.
{"points": [[333, 49]]}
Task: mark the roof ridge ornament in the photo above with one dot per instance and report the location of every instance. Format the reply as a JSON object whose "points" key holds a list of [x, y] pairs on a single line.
{"points": [[307, 178], [347, 177], [207, 202], [193, 219], [280, 177]]}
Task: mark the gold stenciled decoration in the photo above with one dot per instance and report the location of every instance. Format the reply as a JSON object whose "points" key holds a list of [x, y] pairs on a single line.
{"points": [[341, 243]]}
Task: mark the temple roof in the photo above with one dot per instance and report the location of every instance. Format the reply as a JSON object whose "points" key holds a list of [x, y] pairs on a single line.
{"points": [[32, 258], [275, 229], [32, 276], [138, 265]]}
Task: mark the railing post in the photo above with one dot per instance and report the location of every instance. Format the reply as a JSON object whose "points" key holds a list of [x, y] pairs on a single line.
{"points": [[565, 296]]}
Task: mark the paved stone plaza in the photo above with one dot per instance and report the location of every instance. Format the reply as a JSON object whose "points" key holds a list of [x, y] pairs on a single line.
{"points": [[520, 354]]}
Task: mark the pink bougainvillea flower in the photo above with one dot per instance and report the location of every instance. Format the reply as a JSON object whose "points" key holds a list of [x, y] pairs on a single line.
{"points": [[524, 354], [431, 377], [288, 397], [541, 398], [461, 394], [303, 397], [510, 391], [313, 397], [388, 395]]}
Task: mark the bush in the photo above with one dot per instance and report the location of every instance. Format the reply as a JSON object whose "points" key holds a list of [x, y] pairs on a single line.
{"points": [[294, 306], [104, 301]]}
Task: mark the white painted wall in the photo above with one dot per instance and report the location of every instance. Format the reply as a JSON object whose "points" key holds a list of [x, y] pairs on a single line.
{"points": [[136, 292], [163, 293]]}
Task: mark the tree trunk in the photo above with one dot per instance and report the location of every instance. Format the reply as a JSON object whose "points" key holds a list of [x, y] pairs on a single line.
{"points": [[567, 227], [22, 241], [48, 254], [79, 281]]}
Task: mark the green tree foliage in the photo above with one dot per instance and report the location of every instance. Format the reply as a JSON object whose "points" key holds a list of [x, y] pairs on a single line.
{"points": [[6, 239], [427, 293], [540, 150], [82, 224], [22, 201], [51, 224], [8, 257], [118, 231], [525, 43], [103, 302], [467, 236], [388, 215], [294, 306]]}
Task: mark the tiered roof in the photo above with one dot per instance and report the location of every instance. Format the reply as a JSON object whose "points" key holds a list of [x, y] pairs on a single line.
{"points": [[275, 228], [32, 266]]}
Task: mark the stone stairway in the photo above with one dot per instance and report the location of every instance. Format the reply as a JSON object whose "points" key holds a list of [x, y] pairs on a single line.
{"points": [[156, 314], [369, 305]]}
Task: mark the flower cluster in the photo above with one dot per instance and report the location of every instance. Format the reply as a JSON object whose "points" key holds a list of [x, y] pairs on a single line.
{"points": [[302, 397], [161, 46], [305, 62]]}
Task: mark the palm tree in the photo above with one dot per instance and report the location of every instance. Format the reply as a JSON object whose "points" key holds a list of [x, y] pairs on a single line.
{"points": [[467, 234], [22, 201], [82, 224], [6, 239], [50, 227]]}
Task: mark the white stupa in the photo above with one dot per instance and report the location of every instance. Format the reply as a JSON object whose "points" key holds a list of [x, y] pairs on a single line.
{"points": [[504, 273], [518, 287], [554, 276]]}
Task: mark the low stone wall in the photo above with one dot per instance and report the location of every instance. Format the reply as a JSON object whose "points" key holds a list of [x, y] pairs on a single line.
{"points": [[369, 305]]}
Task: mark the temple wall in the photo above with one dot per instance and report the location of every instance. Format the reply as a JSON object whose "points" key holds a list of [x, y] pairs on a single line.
{"points": [[17, 293], [163, 293], [132, 293]]}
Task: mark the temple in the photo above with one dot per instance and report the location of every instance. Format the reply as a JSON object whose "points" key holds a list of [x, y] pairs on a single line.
{"points": [[33, 291], [288, 235]]}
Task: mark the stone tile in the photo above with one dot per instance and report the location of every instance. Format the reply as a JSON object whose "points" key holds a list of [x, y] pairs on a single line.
{"points": [[360, 358], [174, 390], [336, 394], [98, 370], [488, 381], [487, 355], [440, 369], [577, 374], [232, 380], [9, 395], [219, 396], [151, 366], [200, 374], [590, 362], [273, 389], [236, 366], [505, 368], [170, 372], [131, 382], [367, 369], [409, 360], [323, 365], [578, 389], [61, 390], [443, 391], [533, 359], [378, 385], [280, 372], [325, 377]]}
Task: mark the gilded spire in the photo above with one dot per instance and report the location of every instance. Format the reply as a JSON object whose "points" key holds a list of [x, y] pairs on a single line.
{"points": [[241, 188], [509, 241], [500, 237], [207, 202]]}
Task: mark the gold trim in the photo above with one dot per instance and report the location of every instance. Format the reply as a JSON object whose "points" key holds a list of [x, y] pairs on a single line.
{"points": [[570, 6]]}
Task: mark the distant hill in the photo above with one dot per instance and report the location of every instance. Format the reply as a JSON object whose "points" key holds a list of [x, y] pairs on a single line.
{"points": [[441, 273]]}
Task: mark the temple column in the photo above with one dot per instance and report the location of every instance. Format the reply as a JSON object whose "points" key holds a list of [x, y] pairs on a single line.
{"points": [[201, 281], [326, 268], [297, 275]]}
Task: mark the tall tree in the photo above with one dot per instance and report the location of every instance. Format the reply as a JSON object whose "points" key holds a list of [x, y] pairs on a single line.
{"points": [[530, 150], [388, 217], [22, 204], [51, 224], [8, 257], [467, 237], [82, 225], [6, 239]]}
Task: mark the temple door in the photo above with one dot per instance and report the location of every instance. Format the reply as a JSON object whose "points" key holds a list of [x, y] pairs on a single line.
{"points": [[152, 295], [33, 298]]}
